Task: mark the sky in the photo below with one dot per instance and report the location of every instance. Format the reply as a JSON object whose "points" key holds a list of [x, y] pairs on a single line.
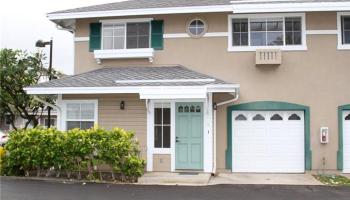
{"points": [[23, 22]]}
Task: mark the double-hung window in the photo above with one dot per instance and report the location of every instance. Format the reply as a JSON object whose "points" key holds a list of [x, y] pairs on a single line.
{"points": [[250, 32], [133, 35], [80, 115], [344, 30], [162, 125]]}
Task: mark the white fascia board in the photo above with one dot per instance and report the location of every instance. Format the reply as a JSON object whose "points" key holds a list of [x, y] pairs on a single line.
{"points": [[227, 88], [124, 53], [174, 92], [82, 90], [135, 12], [145, 92], [291, 7]]}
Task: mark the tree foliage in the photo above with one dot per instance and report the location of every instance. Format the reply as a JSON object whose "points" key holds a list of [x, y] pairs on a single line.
{"points": [[18, 70]]}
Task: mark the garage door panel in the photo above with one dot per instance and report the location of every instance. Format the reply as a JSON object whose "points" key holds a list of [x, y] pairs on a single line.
{"points": [[268, 141]]}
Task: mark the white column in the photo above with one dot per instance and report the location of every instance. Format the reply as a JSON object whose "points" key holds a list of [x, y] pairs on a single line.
{"points": [[208, 134], [59, 123], [150, 136], [172, 135]]}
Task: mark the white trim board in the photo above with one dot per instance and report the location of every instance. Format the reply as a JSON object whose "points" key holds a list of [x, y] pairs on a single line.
{"points": [[290, 7], [146, 11], [186, 35], [321, 32], [218, 34], [169, 36]]}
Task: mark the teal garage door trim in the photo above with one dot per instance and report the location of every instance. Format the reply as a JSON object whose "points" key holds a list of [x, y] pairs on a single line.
{"points": [[340, 161]]}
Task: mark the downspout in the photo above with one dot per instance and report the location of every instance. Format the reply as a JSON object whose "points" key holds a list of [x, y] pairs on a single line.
{"points": [[236, 97]]}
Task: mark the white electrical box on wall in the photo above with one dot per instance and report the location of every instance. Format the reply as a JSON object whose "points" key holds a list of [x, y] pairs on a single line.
{"points": [[324, 135]]}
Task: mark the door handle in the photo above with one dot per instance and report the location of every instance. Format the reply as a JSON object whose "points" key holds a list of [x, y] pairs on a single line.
{"points": [[177, 139]]}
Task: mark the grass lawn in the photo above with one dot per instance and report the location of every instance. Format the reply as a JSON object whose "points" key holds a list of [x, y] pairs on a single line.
{"points": [[333, 180]]}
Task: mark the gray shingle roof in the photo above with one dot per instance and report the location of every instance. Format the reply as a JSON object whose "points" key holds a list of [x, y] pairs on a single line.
{"points": [[143, 4], [107, 77]]}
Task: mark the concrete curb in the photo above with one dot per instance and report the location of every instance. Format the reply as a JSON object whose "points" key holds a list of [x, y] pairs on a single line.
{"points": [[62, 180]]}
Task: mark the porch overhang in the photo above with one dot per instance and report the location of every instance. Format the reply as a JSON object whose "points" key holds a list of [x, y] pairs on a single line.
{"points": [[145, 92], [166, 82]]}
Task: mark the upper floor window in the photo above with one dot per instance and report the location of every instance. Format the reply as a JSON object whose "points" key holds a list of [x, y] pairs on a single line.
{"points": [[126, 35], [344, 30], [250, 32], [345, 22]]}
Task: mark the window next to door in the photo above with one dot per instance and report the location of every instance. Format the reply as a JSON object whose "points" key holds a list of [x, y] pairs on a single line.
{"points": [[162, 125], [260, 31], [80, 114], [344, 30]]}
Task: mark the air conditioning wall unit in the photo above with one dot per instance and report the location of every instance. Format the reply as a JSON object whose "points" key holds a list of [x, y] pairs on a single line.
{"points": [[268, 57]]}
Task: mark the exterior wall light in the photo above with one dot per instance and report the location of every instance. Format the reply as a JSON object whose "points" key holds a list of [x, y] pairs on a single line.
{"points": [[122, 105]]}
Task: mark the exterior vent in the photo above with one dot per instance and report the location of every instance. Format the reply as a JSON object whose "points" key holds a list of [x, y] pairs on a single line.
{"points": [[268, 57]]}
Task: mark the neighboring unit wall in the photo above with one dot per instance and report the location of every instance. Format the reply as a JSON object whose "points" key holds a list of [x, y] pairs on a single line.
{"points": [[132, 118], [317, 77]]}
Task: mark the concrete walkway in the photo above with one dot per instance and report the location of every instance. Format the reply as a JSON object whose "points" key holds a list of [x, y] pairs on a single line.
{"points": [[265, 179], [166, 178], [202, 179]]}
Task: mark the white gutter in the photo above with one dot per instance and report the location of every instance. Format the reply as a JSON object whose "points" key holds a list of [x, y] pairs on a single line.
{"points": [[236, 97]]}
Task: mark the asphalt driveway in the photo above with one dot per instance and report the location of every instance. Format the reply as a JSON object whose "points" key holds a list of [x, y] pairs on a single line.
{"points": [[12, 189]]}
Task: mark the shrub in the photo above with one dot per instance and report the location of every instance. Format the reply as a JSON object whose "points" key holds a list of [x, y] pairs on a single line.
{"points": [[48, 150]]}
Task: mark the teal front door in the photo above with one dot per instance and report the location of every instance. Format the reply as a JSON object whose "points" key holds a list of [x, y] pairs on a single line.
{"points": [[189, 136]]}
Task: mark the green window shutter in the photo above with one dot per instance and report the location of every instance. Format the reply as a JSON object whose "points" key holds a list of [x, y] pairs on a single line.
{"points": [[95, 36], [157, 34]]}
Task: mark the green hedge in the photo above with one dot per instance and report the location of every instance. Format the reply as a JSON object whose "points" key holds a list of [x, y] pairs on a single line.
{"points": [[50, 150]]}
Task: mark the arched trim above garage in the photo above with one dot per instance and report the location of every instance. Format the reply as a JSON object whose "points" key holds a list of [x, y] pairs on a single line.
{"points": [[269, 106], [340, 161]]}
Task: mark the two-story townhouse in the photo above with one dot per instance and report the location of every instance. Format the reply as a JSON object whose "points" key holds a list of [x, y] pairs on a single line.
{"points": [[214, 85]]}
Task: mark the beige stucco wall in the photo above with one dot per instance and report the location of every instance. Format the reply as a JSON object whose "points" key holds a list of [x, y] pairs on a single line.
{"points": [[318, 77], [132, 118], [161, 162]]}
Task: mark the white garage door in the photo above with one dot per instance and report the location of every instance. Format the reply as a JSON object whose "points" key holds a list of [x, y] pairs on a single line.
{"points": [[346, 141], [268, 141]]}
